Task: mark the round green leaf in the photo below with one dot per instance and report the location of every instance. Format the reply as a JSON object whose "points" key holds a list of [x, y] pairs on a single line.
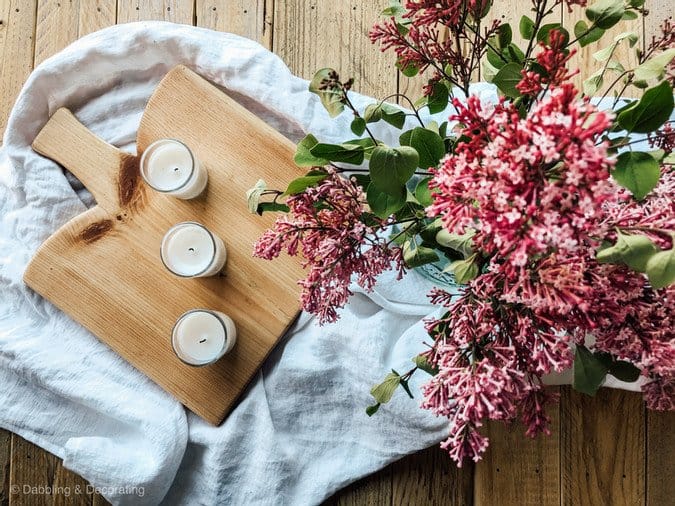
{"points": [[606, 13], [653, 109], [589, 371], [526, 27], [391, 168], [661, 269], [507, 78], [633, 250], [638, 172], [428, 144], [331, 98], [384, 204]]}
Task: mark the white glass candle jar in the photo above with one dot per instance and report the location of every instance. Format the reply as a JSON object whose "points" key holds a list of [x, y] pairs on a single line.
{"points": [[170, 167], [190, 250], [201, 337]]}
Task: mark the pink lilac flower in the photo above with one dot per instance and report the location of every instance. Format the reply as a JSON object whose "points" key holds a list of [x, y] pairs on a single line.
{"points": [[530, 185], [553, 60], [325, 226]]}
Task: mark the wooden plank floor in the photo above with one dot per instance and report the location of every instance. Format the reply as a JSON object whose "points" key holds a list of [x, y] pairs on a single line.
{"points": [[603, 451]]}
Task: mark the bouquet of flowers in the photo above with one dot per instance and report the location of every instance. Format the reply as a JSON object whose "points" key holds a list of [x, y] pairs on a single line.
{"points": [[555, 217]]}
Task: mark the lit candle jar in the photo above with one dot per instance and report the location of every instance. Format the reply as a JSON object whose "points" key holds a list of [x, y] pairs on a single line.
{"points": [[201, 337], [169, 166], [190, 250]]}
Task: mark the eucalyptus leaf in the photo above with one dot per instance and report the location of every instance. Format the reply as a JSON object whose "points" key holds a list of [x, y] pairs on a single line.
{"points": [[661, 269], [650, 112], [638, 172], [331, 98], [390, 168], [589, 371]]}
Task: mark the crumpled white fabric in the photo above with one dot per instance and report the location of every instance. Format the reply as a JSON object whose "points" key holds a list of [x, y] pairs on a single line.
{"points": [[300, 433]]}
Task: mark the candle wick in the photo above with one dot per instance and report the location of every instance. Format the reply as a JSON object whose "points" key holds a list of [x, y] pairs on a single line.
{"points": [[203, 341], [191, 250], [176, 169]]}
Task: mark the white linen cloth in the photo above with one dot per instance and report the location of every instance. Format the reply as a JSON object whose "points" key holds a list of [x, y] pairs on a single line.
{"points": [[300, 433]]}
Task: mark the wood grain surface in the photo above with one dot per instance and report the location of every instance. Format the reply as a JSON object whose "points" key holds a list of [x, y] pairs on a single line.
{"points": [[586, 458], [79, 261]]}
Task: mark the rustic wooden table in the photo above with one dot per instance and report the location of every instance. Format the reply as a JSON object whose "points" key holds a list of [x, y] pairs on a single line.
{"points": [[605, 450]]}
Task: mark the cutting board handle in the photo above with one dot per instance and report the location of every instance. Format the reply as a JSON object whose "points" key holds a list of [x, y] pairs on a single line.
{"points": [[108, 173]]}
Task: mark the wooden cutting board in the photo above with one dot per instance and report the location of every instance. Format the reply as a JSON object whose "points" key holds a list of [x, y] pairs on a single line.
{"points": [[103, 267]]}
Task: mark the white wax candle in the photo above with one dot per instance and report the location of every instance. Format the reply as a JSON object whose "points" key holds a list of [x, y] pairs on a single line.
{"points": [[201, 337], [170, 167], [190, 250]]}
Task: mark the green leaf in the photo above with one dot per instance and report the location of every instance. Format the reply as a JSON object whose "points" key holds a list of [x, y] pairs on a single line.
{"points": [[406, 387], [526, 27], [300, 184], [495, 59], [385, 390], [409, 70], [391, 168], [652, 111], [636, 3], [423, 193], [629, 16], [593, 83], [272, 206], [330, 98], [624, 371], [638, 172], [661, 269], [632, 250], [358, 126], [504, 35], [461, 243], [394, 10], [605, 53], [438, 100], [303, 157], [371, 410], [428, 144], [589, 371], [421, 362], [415, 256], [507, 78], [253, 195], [464, 270], [586, 36], [605, 13], [384, 204], [543, 35], [384, 111], [655, 67], [373, 113], [347, 153], [515, 54]]}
